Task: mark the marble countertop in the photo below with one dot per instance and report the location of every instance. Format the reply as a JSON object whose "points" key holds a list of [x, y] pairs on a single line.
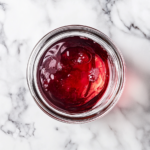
{"points": [[23, 126]]}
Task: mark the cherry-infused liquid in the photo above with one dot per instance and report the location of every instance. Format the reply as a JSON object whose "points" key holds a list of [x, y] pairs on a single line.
{"points": [[73, 74]]}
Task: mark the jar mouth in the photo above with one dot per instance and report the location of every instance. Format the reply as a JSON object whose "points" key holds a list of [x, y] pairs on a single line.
{"points": [[115, 86]]}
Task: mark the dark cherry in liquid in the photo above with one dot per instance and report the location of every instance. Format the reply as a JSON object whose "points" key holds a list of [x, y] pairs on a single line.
{"points": [[73, 74]]}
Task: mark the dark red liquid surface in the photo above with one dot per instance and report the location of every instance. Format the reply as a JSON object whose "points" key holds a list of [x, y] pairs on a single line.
{"points": [[73, 74]]}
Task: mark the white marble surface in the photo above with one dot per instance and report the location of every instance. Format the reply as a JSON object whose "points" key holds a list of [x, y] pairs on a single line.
{"points": [[23, 126]]}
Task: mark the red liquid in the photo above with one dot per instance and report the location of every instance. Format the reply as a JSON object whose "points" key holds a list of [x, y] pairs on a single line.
{"points": [[73, 74]]}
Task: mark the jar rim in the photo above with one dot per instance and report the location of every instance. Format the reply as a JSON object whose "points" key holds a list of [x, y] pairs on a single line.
{"points": [[60, 33]]}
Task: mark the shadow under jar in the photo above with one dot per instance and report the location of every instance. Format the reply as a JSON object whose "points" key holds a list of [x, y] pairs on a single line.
{"points": [[75, 74]]}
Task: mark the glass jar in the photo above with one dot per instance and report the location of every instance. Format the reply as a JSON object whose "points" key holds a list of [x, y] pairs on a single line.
{"points": [[116, 75]]}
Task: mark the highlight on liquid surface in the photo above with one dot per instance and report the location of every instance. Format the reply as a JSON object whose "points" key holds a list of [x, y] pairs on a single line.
{"points": [[73, 74]]}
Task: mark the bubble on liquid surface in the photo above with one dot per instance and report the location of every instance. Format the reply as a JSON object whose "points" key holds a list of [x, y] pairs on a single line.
{"points": [[94, 74]]}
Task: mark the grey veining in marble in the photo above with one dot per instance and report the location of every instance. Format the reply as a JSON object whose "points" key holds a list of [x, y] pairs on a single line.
{"points": [[23, 126]]}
